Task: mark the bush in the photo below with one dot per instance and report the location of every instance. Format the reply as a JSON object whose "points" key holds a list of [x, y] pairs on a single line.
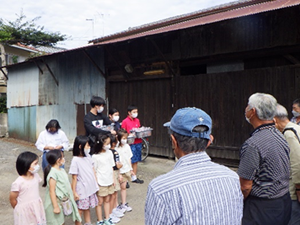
{"points": [[3, 108]]}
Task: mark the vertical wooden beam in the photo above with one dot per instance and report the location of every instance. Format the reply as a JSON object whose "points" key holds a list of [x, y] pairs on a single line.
{"points": [[38, 66], [94, 63], [52, 74]]}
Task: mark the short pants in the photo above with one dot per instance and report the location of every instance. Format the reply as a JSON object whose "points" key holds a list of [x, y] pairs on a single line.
{"points": [[89, 202], [136, 152]]}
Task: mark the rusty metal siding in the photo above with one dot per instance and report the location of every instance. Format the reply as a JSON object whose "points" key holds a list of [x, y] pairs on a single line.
{"points": [[78, 79], [21, 123], [22, 86]]}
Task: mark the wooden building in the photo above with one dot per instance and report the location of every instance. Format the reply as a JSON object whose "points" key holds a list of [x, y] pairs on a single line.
{"points": [[212, 59]]}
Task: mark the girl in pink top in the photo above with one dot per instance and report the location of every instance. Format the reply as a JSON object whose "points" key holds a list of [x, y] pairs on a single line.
{"points": [[84, 184], [24, 196]]}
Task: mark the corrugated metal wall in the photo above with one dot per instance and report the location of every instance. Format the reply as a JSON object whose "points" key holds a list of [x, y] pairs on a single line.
{"points": [[78, 79], [21, 123], [22, 86]]}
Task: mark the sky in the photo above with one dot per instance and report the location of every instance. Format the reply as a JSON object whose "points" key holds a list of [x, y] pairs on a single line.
{"points": [[84, 20]]}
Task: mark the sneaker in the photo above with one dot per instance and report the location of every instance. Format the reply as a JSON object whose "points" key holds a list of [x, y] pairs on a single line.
{"points": [[127, 185], [117, 212], [126, 207], [138, 181], [119, 207], [100, 222], [108, 222], [114, 218]]}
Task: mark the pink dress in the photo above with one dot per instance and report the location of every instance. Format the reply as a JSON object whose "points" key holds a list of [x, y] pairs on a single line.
{"points": [[29, 209]]}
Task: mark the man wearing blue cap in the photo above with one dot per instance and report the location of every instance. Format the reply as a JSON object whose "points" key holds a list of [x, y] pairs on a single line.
{"points": [[196, 191]]}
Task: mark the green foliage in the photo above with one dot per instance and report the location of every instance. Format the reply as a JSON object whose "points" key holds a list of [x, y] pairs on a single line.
{"points": [[3, 108], [15, 59], [27, 33]]}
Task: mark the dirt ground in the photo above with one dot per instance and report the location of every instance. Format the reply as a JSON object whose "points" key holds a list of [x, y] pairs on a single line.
{"points": [[136, 194]]}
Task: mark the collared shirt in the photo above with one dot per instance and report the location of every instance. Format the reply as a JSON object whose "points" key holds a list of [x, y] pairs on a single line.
{"points": [[294, 145], [130, 123], [47, 139], [294, 120], [264, 159], [196, 191]]}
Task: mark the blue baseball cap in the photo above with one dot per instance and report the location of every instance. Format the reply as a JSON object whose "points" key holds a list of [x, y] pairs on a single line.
{"points": [[186, 119]]}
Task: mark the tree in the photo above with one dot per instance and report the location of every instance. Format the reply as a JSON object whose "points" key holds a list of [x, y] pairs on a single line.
{"points": [[27, 33]]}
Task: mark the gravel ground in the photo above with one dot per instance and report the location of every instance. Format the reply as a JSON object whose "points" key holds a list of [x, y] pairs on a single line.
{"points": [[136, 194]]}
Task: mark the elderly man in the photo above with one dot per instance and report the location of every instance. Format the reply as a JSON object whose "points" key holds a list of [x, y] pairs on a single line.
{"points": [[264, 166], [196, 191], [296, 111], [291, 133]]}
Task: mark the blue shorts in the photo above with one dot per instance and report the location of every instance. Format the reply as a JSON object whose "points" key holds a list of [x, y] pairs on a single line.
{"points": [[136, 152]]}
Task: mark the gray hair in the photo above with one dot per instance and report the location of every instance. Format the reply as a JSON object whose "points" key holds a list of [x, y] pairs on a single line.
{"points": [[191, 144], [281, 112], [264, 104]]}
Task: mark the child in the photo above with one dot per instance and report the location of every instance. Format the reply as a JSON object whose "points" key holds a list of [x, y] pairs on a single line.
{"points": [[115, 212], [24, 196], [84, 184], [126, 170], [58, 187], [114, 117], [133, 122], [103, 164]]}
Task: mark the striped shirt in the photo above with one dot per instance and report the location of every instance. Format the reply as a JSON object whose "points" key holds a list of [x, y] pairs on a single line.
{"points": [[294, 120], [196, 191], [264, 159]]}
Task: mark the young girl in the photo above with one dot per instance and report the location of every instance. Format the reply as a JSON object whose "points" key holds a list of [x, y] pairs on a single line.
{"points": [[115, 212], [114, 117], [126, 171], [84, 184], [24, 196], [103, 164], [58, 187]]}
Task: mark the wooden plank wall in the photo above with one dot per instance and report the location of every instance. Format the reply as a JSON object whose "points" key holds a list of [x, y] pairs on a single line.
{"points": [[223, 96], [154, 101]]}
